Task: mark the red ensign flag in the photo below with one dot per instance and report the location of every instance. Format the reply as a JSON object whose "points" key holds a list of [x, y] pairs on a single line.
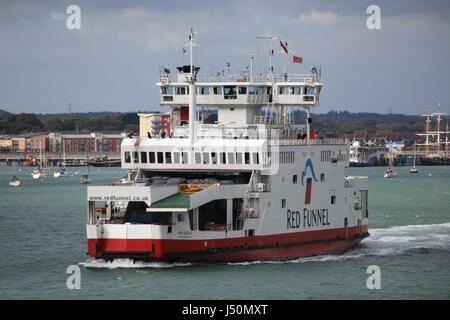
{"points": [[297, 59]]}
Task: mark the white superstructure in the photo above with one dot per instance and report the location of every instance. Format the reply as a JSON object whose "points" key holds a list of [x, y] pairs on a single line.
{"points": [[252, 185]]}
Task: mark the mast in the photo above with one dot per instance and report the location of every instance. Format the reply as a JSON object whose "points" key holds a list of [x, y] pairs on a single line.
{"points": [[270, 38], [428, 115], [192, 94], [251, 56]]}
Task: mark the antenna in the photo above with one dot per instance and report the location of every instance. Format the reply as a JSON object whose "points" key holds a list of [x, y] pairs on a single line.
{"points": [[270, 38], [251, 56]]}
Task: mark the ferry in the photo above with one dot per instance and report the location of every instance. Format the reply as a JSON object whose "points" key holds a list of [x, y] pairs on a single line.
{"points": [[252, 185]]}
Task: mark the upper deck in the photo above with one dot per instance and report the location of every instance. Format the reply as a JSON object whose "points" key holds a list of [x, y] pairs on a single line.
{"points": [[233, 89]]}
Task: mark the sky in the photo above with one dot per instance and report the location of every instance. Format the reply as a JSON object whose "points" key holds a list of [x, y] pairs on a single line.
{"points": [[112, 62]]}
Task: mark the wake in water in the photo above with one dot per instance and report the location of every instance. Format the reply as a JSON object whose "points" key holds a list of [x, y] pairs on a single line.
{"points": [[385, 241], [129, 263], [382, 242]]}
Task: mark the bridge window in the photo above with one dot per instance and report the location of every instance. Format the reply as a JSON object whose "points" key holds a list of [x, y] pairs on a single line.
{"points": [[291, 90], [229, 92], [242, 90], [251, 90], [167, 90], [135, 157], [203, 90], [217, 90], [282, 90], [298, 90], [260, 90], [198, 158], [181, 90]]}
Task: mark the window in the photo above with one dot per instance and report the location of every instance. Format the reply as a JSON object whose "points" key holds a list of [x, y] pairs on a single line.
{"points": [[167, 90], [229, 92], [247, 157], [283, 203], [294, 178], [160, 157], [230, 158], [298, 90], [143, 157], [242, 90], [260, 90], [213, 157], [217, 90], [168, 157], [180, 217], [205, 157], [203, 90], [151, 157], [198, 158], [291, 90], [251, 90], [223, 158], [333, 199], [308, 90], [282, 90], [256, 157], [176, 157], [181, 90], [184, 157], [127, 157], [238, 158], [135, 157], [322, 177]]}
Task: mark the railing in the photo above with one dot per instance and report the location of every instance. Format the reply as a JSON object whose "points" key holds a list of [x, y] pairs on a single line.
{"points": [[296, 142], [259, 78]]}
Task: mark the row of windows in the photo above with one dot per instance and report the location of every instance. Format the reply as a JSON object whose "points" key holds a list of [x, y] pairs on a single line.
{"points": [[234, 90], [298, 90], [200, 157], [326, 155]]}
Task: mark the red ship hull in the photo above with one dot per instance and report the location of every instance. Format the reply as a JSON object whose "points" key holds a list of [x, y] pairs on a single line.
{"points": [[270, 247]]}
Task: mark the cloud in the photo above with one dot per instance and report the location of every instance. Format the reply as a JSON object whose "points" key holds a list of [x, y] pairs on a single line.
{"points": [[321, 17]]}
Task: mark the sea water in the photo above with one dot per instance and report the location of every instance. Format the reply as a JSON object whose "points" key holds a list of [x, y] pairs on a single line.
{"points": [[42, 234]]}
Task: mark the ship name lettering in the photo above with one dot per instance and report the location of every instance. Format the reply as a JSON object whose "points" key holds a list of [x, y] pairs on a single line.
{"points": [[311, 218]]}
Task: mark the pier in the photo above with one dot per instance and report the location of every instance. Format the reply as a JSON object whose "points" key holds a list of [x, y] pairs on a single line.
{"points": [[52, 158]]}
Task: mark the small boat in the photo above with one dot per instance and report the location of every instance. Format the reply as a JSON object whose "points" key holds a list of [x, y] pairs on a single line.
{"points": [[15, 182], [390, 173], [414, 169], [85, 179], [37, 173]]}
